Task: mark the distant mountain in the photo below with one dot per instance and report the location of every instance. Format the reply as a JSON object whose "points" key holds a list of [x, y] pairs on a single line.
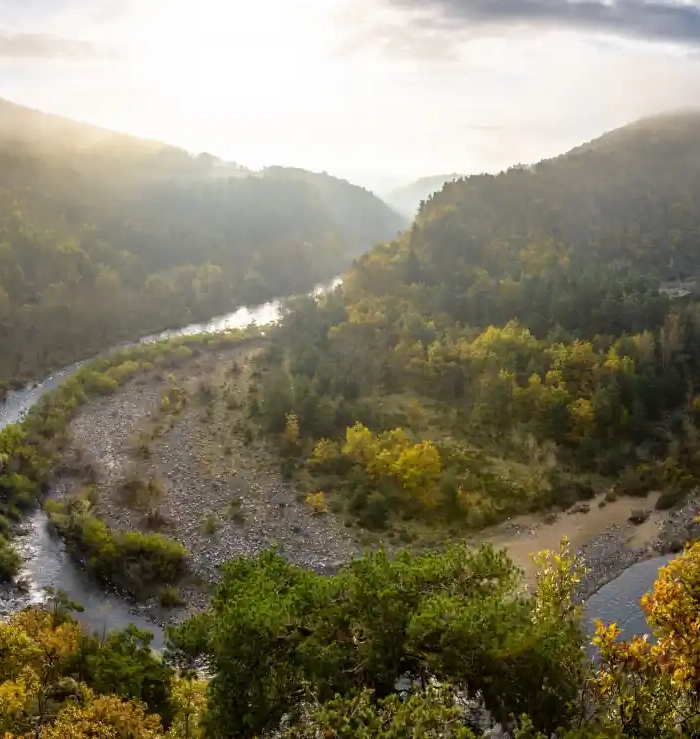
{"points": [[406, 199], [105, 236]]}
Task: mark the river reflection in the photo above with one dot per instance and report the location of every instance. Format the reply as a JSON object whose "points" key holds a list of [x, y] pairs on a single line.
{"points": [[619, 600]]}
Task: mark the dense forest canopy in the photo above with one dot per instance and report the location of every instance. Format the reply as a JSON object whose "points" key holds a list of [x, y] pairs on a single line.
{"points": [[518, 347], [104, 236]]}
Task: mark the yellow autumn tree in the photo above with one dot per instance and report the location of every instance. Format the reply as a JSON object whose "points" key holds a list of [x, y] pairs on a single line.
{"points": [[359, 444], [418, 468], [32, 649], [104, 717], [37, 699], [317, 502], [325, 454], [189, 699], [392, 455], [653, 685]]}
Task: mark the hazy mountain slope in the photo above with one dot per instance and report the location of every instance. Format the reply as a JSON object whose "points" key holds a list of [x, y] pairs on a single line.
{"points": [[630, 195], [407, 198], [104, 236]]}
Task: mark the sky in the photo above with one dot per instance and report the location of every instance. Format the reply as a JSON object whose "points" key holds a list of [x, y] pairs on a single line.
{"points": [[378, 91]]}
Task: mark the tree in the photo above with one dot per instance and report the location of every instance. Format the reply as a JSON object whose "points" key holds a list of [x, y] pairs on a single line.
{"points": [[431, 716]]}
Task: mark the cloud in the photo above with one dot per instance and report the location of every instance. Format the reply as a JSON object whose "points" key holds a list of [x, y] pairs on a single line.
{"points": [[48, 46], [673, 20]]}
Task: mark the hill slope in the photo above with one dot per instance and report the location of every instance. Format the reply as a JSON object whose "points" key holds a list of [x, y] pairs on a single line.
{"points": [[407, 198], [105, 236], [513, 349]]}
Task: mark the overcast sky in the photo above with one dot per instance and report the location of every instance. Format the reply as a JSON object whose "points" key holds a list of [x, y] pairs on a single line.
{"points": [[367, 89]]}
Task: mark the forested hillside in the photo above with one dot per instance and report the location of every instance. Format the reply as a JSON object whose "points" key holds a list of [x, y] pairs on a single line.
{"points": [[407, 198], [104, 237], [514, 349]]}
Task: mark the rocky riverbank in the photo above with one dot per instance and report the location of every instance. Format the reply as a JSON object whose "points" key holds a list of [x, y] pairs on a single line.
{"points": [[609, 554], [220, 491]]}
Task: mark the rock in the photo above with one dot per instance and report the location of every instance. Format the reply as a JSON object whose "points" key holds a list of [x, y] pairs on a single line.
{"points": [[638, 516], [551, 518], [602, 503], [580, 508]]}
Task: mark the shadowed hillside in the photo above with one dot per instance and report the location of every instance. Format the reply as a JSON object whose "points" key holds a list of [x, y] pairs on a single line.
{"points": [[105, 236]]}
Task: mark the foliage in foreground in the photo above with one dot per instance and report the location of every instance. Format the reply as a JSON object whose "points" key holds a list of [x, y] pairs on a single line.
{"points": [[57, 682], [392, 649]]}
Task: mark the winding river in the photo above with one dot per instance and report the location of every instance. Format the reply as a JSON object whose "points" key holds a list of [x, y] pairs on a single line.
{"points": [[48, 565]]}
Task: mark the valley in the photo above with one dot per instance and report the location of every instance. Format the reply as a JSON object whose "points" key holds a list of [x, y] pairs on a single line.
{"points": [[334, 493]]}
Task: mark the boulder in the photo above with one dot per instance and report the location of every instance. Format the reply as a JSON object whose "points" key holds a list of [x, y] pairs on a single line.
{"points": [[580, 508], [638, 516]]}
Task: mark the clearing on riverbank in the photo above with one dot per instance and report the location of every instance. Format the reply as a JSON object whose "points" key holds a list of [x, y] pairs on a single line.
{"points": [[598, 521]]}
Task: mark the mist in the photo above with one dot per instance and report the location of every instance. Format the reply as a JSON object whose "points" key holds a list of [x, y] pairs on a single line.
{"points": [[361, 90]]}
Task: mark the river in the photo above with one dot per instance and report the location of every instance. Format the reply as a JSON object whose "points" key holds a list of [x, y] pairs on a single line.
{"points": [[48, 565]]}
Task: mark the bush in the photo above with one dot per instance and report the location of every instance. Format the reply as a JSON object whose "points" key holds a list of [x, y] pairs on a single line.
{"points": [[124, 371], [97, 383], [571, 491], [18, 490], [235, 513], [170, 598], [317, 502], [9, 560], [211, 525], [637, 481], [375, 512], [670, 499], [134, 562], [142, 495]]}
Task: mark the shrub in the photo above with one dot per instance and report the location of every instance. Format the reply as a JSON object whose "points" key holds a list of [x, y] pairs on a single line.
{"points": [[317, 502], [670, 499], [170, 597], [97, 383], [142, 495], [124, 371], [375, 512], [9, 560], [211, 525], [132, 561], [154, 520], [326, 456], [569, 492], [638, 481], [235, 513]]}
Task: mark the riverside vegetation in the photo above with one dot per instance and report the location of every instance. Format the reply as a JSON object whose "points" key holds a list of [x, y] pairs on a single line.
{"points": [[31, 451]]}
